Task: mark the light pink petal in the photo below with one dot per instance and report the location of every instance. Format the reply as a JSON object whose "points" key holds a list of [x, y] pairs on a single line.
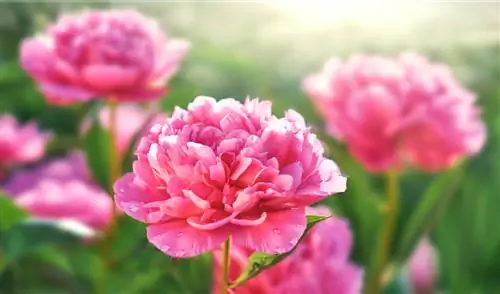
{"points": [[171, 57], [178, 239], [250, 222], [278, 234], [131, 195], [37, 57]]}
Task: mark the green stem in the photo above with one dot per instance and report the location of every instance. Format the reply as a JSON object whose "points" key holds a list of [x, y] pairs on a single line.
{"points": [[226, 248], [374, 284], [114, 174]]}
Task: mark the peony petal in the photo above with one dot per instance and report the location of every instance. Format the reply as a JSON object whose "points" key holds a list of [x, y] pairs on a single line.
{"points": [[101, 77], [65, 94], [178, 239], [278, 234], [131, 195], [196, 222], [250, 222]]}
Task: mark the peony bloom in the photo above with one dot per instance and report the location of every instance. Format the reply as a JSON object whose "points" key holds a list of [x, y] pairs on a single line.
{"points": [[130, 120], [423, 268], [62, 190], [226, 168], [102, 54], [20, 143], [319, 265], [395, 111]]}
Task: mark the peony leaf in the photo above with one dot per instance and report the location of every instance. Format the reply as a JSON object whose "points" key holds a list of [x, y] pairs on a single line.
{"points": [[428, 211], [32, 235], [10, 213], [259, 261], [96, 145]]}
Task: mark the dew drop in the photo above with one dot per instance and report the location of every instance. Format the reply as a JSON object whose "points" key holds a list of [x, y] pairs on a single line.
{"points": [[181, 253], [276, 231], [180, 234], [121, 190], [133, 208], [166, 247]]}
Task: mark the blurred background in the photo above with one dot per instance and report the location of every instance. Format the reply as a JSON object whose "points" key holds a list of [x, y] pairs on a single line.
{"points": [[264, 49]]}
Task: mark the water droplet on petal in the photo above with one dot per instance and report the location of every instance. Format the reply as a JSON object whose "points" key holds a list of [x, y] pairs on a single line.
{"points": [[276, 231], [133, 208], [180, 234], [166, 247], [181, 253]]}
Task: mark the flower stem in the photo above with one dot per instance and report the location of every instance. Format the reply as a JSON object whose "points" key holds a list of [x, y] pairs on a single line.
{"points": [[374, 284], [114, 174], [226, 248]]}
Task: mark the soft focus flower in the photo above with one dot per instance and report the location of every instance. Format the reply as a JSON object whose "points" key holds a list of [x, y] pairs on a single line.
{"points": [[423, 268], [320, 264], [102, 54], [392, 111], [20, 143], [62, 190], [226, 168], [130, 120]]}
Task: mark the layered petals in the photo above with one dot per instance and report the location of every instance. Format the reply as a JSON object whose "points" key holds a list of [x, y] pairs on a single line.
{"points": [[215, 169], [102, 54], [20, 144], [320, 264], [392, 112]]}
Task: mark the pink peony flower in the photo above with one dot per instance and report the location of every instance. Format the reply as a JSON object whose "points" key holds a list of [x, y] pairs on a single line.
{"points": [[130, 120], [62, 190], [423, 268], [392, 111], [320, 264], [226, 168], [20, 143], [118, 54]]}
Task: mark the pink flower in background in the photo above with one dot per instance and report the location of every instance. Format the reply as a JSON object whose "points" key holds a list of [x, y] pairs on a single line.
{"points": [[226, 168], [62, 190], [130, 120], [20, 144], [423, 268], [392, 111], [320, 264], [102, 54]]}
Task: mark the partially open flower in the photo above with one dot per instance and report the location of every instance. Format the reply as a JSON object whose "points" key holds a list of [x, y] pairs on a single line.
{"points": [[62, 190], [102, 54], [20, 144], [226, 168], [395, 111], [319, 265]]}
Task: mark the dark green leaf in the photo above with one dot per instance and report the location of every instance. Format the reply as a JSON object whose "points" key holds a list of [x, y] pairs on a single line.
{"points": [[10, 213], [31, 236], [428, 210], [260, 261], [96, 144]]}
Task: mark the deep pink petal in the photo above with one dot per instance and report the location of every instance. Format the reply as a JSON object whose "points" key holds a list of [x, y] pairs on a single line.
{"points": [[101, 77]]}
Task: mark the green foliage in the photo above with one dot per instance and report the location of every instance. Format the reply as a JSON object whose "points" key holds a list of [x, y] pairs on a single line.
{"points": [[96, 145], [10, 214]]}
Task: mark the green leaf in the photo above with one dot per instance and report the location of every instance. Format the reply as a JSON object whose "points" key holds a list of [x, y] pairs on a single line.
{"points": [[10, 213], [400, 284], [260, 261], [428, 211], [31, 236], [96, 145]]}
